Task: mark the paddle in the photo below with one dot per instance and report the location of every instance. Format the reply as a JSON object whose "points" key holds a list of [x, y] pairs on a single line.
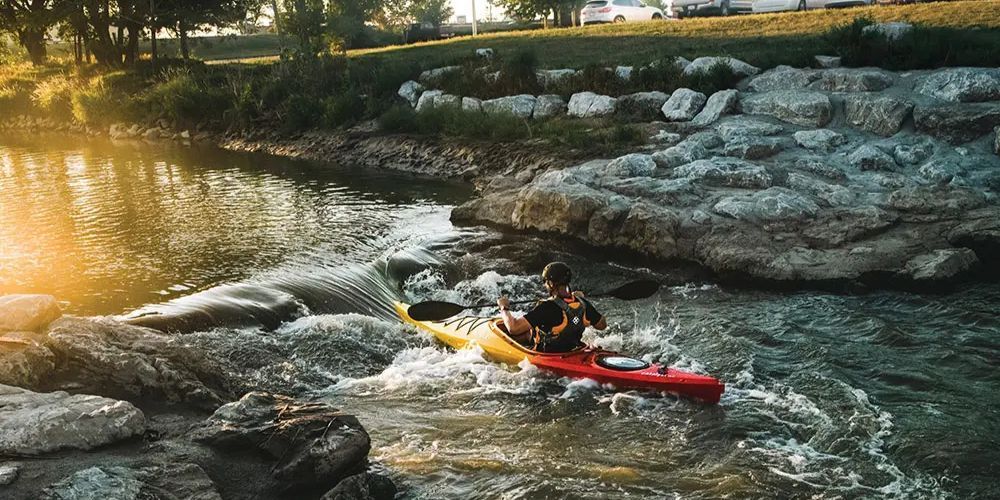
{"points": [[434, 310]]}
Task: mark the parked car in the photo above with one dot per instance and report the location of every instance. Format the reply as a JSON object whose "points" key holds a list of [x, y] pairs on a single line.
{"points": [[783, 5], [618, 11], [687, 8]]}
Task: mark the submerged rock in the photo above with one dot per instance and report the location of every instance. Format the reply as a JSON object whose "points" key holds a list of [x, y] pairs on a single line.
{"points": [[801, 107], [365, 486], [32, 423], [159, 482], [27, 312]]}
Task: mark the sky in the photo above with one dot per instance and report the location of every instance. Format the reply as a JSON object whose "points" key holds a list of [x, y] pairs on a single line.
{"points": [[464, 8]]}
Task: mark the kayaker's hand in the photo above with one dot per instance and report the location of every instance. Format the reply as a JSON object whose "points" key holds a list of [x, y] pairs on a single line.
{"points": [[578, 294], [504, 302]]}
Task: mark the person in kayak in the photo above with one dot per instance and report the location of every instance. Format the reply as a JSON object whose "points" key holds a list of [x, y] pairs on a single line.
{"points": [[555, 324]]}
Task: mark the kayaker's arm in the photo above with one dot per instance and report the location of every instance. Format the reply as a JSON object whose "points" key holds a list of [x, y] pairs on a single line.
{"points": [[515, 326]]}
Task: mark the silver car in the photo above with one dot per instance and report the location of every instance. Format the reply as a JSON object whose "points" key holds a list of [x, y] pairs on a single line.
{"points": [[686, 8]]}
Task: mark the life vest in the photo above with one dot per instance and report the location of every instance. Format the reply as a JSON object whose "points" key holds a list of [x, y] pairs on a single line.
{"points": [[570, 331]]}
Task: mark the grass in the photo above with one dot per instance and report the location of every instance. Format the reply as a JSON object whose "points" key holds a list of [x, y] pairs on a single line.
{"points": [[207, 48], [764, 40]]}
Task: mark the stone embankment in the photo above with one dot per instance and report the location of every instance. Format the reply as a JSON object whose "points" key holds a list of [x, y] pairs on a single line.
{"points": [[802, 175], [158, 419]]}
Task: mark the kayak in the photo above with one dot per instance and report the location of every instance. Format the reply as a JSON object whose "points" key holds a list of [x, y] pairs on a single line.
{"points": [[603, 366]]}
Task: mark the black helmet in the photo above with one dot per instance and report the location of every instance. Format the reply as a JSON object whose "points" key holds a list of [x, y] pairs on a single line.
{"points": [[558, 273]]}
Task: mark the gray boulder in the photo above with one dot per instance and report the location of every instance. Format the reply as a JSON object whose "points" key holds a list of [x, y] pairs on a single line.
{"points": [[311, 444], [819, 139], [939, 170], [727, 172], [754, 148], [800, 107], [549, 106], [410, 91], [937, 200], [8, 473], [944, 264], [445, 101], [853, 80], [364, 486], [520, 106], [962, 85], [877, 113], [769, 205], [550, 77], [685, 152], [27, 312], [426, 100], [746, 127], [153, 482], [996, 140], [841, 225], [832, 194], [23, 362], [957, 123], [485, 53], [632, 165], [718, 104], [643, 106], [590, 105], [912, 154], [683, 105], [869, 157], [892, 31], [820, 167], [33, 423], [472, 104], [435, 75], [782, 78], [623, 72], [704, 64]]}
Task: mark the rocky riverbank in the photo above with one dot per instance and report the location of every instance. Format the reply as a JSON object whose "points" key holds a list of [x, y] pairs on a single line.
{"points": [[91, 407]]}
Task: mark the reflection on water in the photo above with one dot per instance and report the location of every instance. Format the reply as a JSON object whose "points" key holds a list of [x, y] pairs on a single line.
{"points": [[109, 228]]}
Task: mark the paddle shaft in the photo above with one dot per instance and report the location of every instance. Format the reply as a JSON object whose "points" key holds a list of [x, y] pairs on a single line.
{"points": [[520, 302]]}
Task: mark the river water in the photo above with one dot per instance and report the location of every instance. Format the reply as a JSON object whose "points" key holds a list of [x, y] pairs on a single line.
{"points": [[882, 395]]}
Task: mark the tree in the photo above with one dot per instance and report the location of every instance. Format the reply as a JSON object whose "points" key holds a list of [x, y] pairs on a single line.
{"points": [[30, 21], [184, 16], [431, 11]]}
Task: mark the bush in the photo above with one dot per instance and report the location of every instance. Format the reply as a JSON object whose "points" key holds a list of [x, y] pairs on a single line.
{"points": [[183, 99], [719, 76], [343, 110], [53, 95]]}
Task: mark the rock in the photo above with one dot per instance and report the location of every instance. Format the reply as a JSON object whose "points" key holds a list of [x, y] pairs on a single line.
{"points": [[746, 127], [871, 158], [832, 194], [819, 139], [8, 473], [939, 265], [827, 61], [632, 165], [437, 74], [186, 135], [912, 154], [853, 80], [962, 85], [183, 481], [590, 105], [472, 104], [445, 101], [801, 107], [151, 134], [426, 100], [820, 168], [118, 131], [685, 152], [365, 486], [549, 77], [782, 78], [754, 148], [996, 140], [957, 123], [877, 113], [641, 226], [938, 200], [310, 444], [624, 72], [485, 53], [641, 106], [33, 423], [520, 106], [23, 362], [665, 137], [683, 105], [718, 104], [772, 204], [836, 227], [549, 106], [112, 358], [891, 31], [410, 91], [681, 62], [27, 312], [940, 171], [705, 64], [706, 139], [726, 172]]}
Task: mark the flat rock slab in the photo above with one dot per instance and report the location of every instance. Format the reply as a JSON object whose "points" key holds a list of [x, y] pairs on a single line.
{"points": [[159, 482], [957, 123], [27, 312], [32, 423], [800, 107]]}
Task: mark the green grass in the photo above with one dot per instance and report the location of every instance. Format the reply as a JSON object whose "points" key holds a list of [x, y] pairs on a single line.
{"points": [[762, 39], [206, 48]]}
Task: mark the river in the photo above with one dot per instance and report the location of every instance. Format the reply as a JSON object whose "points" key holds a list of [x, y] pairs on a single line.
{"points": [[881, 395]]}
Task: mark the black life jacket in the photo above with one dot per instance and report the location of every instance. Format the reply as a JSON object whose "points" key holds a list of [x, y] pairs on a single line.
{"points": [[568, 334]]}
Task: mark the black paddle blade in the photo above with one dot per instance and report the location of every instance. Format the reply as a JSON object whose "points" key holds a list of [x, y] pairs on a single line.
{"points": [[433, 310], [635, 290]]}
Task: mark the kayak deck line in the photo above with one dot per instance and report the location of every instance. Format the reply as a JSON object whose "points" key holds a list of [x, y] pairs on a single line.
{"points": [[586, 362]]}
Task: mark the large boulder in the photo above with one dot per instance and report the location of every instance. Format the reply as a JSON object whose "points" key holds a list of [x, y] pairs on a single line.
{"points": [[869, 157], [877, 113], [685, 152], [913, 154], [957, 123], [939, 170], [962, 85], [310, 444], [426, 100], [23, 361], [520, 106], [472, 104], [782, 78], [448, 101], [172, 481], [705, 64], [436, 75], [769, 205], [754, 148], [740, 126], [9, 473], [821, 167], [832, 194], [590, 105], [641, 226], [27, 312], [718, 104], [939, 265], [726, 172], [632, 165], [841, 225], [937, 200], [801, 107], [853, 80], [364, 486], [892, 31], [410, 91], [683, 105], [33, 423], [819, 139], [549, 106], [644, 106], [550, 77]]}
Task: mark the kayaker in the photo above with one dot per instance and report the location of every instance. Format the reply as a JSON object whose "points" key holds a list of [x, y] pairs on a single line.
{"points": [[555, 324]]}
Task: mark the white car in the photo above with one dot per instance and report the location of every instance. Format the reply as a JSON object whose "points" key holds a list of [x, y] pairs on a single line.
{"points": [[618, 11], [687, 8], [782, 5]]}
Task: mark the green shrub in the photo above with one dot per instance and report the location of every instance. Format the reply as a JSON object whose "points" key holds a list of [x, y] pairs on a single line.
{"points": [[300, 113], [53, 95], [343, 110], [183, 99], [663, 74], [398, 119], [719, 76]]}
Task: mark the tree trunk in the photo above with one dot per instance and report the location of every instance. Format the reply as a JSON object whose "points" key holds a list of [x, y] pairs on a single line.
{"points": [[182, 31], [277, 24], [152, 31], [34, 42]]}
